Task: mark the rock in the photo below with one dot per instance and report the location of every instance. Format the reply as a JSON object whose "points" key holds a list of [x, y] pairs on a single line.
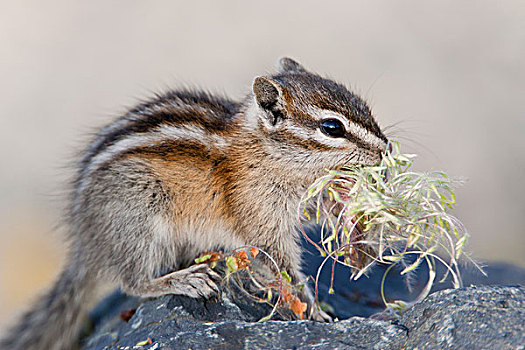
{"points": [[484, 316], [489, 317], [174, 322]]}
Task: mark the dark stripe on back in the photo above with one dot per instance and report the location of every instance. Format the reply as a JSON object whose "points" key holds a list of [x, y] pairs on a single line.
{"points": [[217, 116]]}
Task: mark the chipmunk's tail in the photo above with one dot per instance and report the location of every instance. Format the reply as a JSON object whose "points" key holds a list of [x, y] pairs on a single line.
{"points": [[56, 319]]}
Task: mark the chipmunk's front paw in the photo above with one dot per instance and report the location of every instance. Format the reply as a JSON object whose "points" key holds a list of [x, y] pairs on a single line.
{"points": [[197, 281]]}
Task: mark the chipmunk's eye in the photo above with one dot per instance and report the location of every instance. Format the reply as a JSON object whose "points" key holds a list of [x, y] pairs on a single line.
{"points": [[333, 128]]}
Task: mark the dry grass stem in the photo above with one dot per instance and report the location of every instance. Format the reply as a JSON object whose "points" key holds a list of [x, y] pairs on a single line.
{"points": [[386, 213]]}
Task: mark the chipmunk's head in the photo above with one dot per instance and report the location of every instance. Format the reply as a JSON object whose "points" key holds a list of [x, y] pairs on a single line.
{"points": [[313, 121]]}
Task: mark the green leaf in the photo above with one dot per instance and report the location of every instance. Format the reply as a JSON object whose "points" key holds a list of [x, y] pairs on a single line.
{"points": [[286, 276], [202, 258], [231, 263]]}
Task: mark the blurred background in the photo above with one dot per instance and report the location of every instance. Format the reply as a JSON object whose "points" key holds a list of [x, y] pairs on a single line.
{"points": [[449, 74]]}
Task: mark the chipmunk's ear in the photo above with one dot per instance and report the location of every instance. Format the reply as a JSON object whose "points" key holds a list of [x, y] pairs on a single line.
{"points": [[269, 96], [288, 65]]}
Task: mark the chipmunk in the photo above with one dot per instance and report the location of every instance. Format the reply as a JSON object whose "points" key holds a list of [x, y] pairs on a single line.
{"points": [[189, 172]]}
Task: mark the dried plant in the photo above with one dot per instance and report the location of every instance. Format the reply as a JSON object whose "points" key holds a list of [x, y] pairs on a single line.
{"points": [[277, 288], [385, 213]]}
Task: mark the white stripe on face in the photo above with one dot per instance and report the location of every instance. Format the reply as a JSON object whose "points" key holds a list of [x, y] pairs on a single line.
{"points": [[354, 129], [316, 135]]}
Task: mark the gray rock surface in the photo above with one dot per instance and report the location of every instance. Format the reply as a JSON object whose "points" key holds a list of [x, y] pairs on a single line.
{"points": [[477, 317], [174, 322], [489, 315], [484, 317]]}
